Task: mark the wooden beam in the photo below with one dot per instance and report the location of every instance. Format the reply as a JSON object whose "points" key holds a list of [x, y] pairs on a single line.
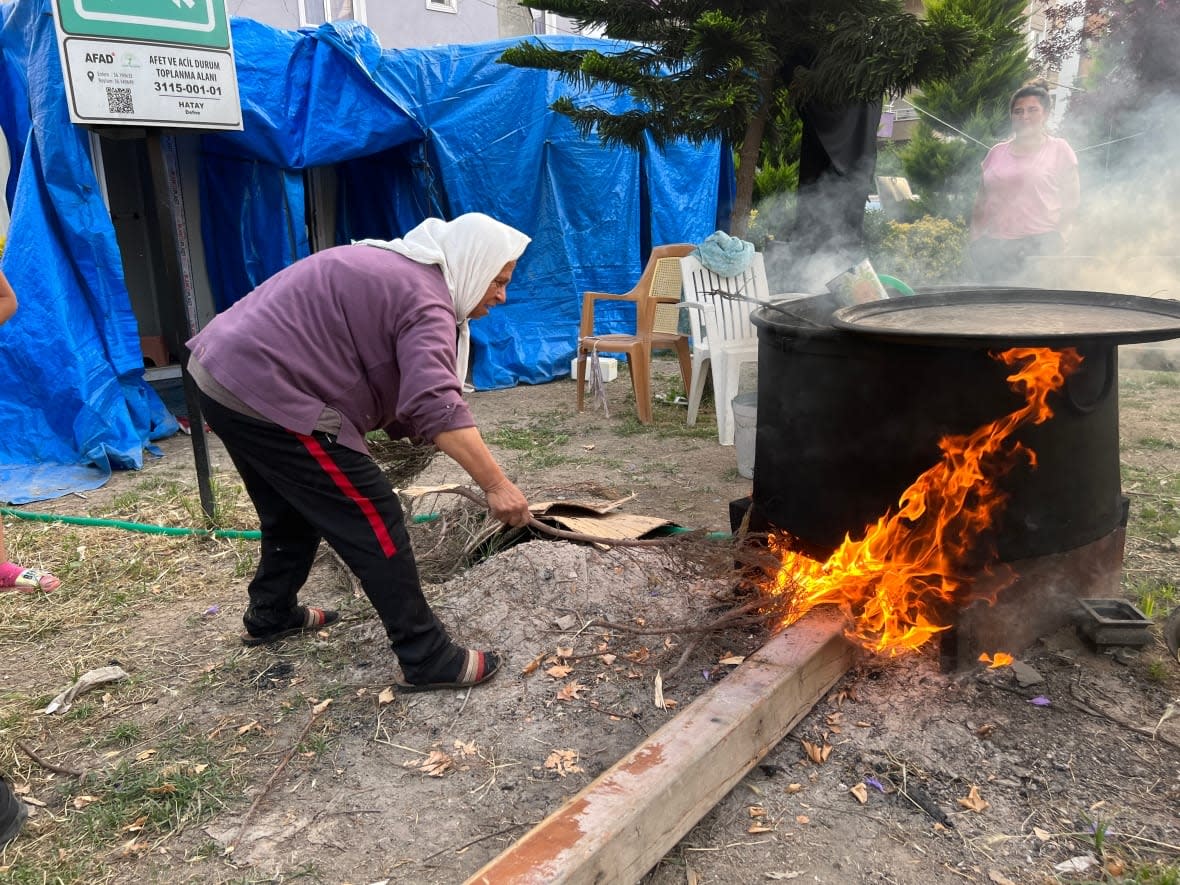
{"points": [[621, 824]]}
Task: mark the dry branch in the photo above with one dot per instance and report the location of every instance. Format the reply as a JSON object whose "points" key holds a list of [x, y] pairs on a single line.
{"points": [[316, 712], [48, 766]]}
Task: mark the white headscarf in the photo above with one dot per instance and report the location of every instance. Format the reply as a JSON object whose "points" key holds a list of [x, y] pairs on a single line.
{"points": [[471, 250]]}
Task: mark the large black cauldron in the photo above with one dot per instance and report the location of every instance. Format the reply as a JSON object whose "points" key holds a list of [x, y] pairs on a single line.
{"points": [[847, 420]]}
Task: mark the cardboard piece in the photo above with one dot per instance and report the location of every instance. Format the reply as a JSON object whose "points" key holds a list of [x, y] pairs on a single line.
{"points": [[588, 517], [592, 517]]}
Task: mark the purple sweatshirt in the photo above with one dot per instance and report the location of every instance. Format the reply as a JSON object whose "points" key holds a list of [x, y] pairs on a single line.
{"points": [[358, 329]]}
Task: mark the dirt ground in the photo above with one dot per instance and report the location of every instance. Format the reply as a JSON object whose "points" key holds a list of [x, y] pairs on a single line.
{"points": [[1057, 771]]}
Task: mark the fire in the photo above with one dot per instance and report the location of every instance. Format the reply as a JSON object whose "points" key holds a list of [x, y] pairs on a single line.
{"points": [[1000, 659], [898, 581]]}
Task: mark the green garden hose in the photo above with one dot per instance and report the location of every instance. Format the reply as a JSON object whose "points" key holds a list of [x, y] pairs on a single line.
{"points": [[246, 534], [148, 528]]}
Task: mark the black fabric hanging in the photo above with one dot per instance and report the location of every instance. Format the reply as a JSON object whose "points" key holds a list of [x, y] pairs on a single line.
{"points": [[838, 157]]}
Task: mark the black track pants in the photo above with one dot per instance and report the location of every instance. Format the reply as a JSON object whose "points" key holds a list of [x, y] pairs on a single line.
{"points": [[310, 487]]}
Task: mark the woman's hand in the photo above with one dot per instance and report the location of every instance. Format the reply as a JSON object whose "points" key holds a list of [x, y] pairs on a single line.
{"points": [[508, 504], [505, 501]]}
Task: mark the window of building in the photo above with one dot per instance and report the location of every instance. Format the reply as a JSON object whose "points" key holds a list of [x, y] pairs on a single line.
{"points": [[316, 12], [443, 5]]}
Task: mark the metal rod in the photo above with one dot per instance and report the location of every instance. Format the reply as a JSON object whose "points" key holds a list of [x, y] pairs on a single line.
{"points": [[180, 299]]}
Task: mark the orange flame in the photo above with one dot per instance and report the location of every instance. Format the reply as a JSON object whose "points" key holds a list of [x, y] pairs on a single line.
{"points": [[903, 574], [1001, 659]]}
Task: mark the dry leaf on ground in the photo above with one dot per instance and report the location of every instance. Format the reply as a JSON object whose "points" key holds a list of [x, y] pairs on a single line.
{"points": [[974, 801], [817, 753], [436, 764], [571, 691], [563, 762]]}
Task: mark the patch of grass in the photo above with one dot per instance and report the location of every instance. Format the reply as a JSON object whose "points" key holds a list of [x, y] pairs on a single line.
{"points": [[159, 500], [158, 795], [15, 710], [125, 502], [1149, 481], [121, 812], [667, 422], [543, 459], [1144, 381], [1154, 597], [1156, 519], [668, 419], [108, 574], [245, 564], [1157, 671], [1149, 874], [316, 744], [81, 710], [539, 441], [1155, 443], [122, 735], [65, 869], [541, 430], [1162, 379]]}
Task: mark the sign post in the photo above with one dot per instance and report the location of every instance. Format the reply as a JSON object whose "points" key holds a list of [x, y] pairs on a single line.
{"points": [[162, 66], [148, 62]]}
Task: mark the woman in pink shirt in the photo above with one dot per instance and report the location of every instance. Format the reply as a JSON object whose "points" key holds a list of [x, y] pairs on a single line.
{"points": [[1027, 196]]}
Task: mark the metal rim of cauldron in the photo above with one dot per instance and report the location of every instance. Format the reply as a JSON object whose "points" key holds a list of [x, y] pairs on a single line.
{"points": [[916, 327], [812, 314]]}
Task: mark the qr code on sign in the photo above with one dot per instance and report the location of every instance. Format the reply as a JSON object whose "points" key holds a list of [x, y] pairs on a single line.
{"points": [[119, 101]]}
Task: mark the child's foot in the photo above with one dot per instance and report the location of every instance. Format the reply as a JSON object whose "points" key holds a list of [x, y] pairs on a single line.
{"points": [[26, 580]]}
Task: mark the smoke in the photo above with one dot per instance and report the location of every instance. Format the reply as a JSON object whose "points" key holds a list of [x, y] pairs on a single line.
{"points": [[814, 237], [1124, 238]]}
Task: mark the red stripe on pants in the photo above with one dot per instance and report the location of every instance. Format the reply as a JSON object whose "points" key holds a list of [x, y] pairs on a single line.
{"points": [[345, 485]]}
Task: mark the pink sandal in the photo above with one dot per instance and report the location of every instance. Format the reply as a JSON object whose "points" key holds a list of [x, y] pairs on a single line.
{"points": [[32, 580]]}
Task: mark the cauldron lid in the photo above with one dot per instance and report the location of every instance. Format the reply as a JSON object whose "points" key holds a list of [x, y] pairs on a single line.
{"points": [[995, 317]]}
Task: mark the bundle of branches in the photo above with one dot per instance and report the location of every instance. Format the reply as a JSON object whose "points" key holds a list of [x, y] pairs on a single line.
{"points": [[401, 460], [455, 536]]}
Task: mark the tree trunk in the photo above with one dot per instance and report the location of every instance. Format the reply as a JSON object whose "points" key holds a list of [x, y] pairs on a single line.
{"points": [[747, 164]]}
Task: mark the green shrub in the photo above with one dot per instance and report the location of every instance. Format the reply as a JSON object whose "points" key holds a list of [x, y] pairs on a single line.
{"points": [[928, 252]]}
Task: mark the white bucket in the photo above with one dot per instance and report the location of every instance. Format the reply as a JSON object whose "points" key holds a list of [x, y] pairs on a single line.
{"points": [[745, 431]]}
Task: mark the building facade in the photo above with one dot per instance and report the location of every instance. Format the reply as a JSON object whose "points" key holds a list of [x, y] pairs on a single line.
{"points": [[404, 24]]}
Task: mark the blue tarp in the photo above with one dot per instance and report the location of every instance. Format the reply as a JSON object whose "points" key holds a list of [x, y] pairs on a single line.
{"points": [[410, 133]]}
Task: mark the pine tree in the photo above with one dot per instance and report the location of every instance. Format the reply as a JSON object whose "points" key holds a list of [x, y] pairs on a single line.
{"points": [[709, 69], [964, 115]]}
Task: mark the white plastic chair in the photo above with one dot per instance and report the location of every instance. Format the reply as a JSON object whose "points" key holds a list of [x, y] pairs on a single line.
{"points": [[723, 338]]}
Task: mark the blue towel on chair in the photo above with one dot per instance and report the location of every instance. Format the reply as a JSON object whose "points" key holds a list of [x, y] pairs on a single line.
{"points": [[724, 255]]}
